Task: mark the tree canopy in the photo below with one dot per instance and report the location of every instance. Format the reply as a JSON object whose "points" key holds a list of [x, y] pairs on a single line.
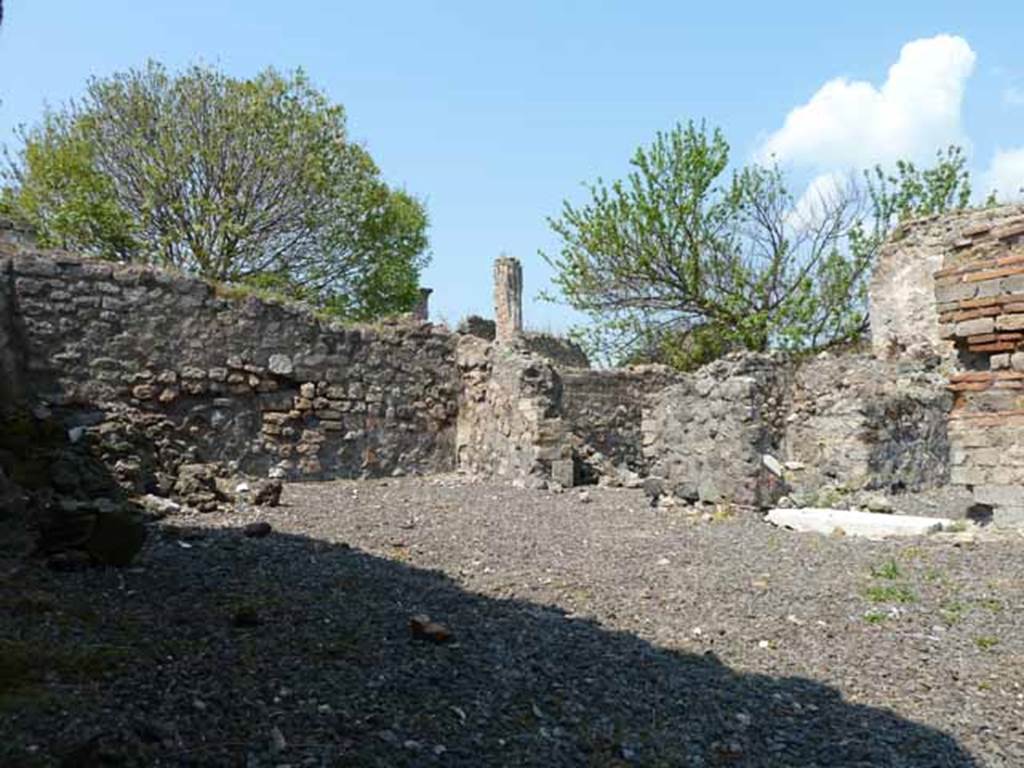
{"points": [[242, 181], [681, 261]]}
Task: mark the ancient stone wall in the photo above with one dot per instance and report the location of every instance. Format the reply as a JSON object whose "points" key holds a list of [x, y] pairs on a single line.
{"points": [[510, 413], [749, 429], [855, 423], [707, 435], [603, 410], [163, 371], [904, 320], [12, 363], [979, 293], [268, 387]]}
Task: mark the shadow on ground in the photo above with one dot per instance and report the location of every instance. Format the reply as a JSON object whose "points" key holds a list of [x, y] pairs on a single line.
{"points": [[224, 650]]}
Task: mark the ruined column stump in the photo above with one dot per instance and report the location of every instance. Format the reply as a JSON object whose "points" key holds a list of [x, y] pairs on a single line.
{"points": [[421, 311], [508, 298]]}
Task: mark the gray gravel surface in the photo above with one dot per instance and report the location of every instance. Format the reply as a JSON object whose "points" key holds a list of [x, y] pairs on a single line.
{"points": [[588, 630]]}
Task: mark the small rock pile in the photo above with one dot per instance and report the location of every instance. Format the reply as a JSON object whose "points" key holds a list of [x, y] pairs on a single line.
{"points": [[69, 499]]}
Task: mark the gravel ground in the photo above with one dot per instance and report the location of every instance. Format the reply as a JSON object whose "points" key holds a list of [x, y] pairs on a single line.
{"points": [[588, 630]]}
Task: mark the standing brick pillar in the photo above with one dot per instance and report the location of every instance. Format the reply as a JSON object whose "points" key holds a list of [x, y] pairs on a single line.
{"points": [[422, 309], [508, 298]]}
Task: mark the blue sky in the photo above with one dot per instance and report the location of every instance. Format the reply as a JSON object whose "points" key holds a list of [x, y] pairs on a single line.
{"points": [[494, 113]]}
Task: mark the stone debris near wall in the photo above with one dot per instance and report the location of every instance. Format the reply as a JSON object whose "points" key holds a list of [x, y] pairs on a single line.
{"points": [[979, 294]]}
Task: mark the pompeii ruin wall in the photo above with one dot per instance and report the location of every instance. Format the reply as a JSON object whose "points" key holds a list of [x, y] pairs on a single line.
{"points": [[965, 306], [127, 352], [165, 370]]}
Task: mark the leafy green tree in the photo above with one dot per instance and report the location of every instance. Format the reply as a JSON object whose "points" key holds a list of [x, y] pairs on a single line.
{"points": [[681, 261], [241, 181]]}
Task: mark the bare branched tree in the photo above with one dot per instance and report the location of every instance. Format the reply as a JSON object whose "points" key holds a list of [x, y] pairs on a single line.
{"points": [[679, 262]]}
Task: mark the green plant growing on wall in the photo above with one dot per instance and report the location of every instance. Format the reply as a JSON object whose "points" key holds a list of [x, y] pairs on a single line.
{"points": [[240, 181]]}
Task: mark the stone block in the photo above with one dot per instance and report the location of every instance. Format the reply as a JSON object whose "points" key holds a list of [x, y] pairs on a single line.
{"points": [[967, 475], [1000, 495], [975, 327], [989, 288], [986, 457], [870, 525], [563, 472], [281, 365], [1008, 516], [1013, 284], [955, 292], [1010, 322]]}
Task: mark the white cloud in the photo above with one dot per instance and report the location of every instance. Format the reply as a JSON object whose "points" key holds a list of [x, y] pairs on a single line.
{"points": [[1005, 175], [854, 124], [822, 195], [1013, 96]]}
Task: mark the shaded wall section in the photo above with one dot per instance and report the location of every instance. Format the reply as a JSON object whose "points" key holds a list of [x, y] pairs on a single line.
{"points": [[12, 359], [604, 410], [855, 423]]}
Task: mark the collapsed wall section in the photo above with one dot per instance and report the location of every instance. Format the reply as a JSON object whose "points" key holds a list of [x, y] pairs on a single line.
{"points": [[143, 353]]}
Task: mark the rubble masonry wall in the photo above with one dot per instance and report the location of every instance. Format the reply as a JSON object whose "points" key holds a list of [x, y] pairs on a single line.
{"points": [[209, 377]]}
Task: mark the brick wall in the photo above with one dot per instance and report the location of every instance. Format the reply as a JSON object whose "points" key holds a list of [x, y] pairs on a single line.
{"points": [[979, 295]]}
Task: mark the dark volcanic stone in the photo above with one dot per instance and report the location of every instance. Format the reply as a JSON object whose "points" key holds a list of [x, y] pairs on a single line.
{"points": [[268, 493], [257, 530], [116, 538]]}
